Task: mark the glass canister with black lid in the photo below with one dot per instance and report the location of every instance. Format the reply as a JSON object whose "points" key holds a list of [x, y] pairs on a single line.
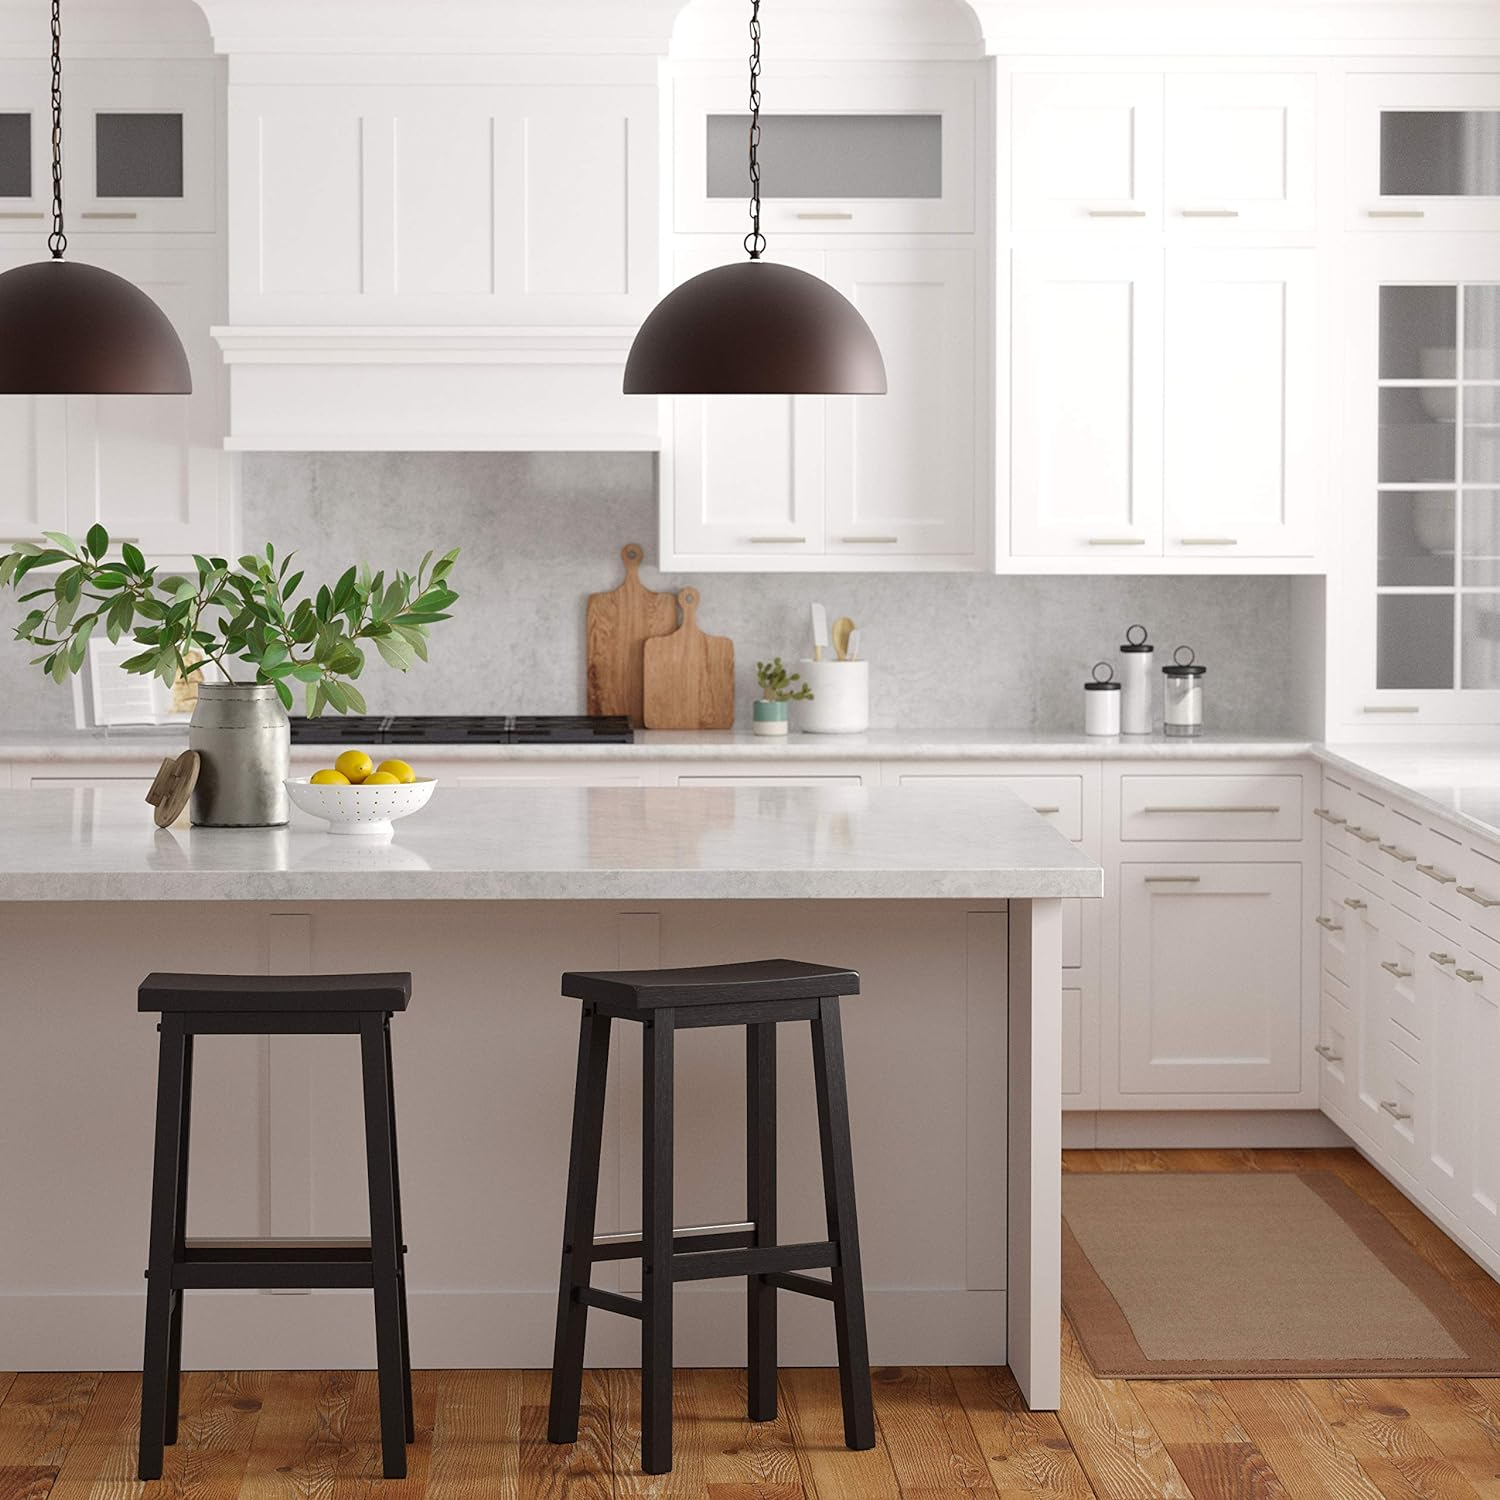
{"points": [[1182, 693]]}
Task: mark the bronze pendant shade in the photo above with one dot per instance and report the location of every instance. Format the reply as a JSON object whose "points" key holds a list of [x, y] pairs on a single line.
{"points": [[76, 330], [755, 328]]}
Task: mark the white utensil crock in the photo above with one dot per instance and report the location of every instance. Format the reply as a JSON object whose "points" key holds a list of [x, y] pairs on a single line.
{"points": [[840, 703]]}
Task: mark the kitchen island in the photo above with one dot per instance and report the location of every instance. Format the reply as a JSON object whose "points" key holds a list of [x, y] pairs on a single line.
{"points": [[947, 899]]}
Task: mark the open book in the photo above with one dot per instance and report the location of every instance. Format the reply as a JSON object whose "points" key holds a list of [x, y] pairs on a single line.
{"points": [[121, 697]]}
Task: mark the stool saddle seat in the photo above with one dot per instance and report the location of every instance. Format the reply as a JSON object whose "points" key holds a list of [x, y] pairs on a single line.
{"points": [[264, 993], [711, 984]]}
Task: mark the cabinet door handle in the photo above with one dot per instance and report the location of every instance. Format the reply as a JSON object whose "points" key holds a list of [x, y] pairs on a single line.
{"points": [[1394, 969], [1117, 213], [1395, 213], [1117, 541], [1472, 893], [1364, 835], [1328, 924], [1327, 1053], [1393, 1109], [21, 213], [1329, 817], [1390, 708], [776, 541], [1399, 855], [809, 214], [871, 540], [1173, 879], [1210, 213], [1354, 903], [124, 213], [1470, 976], [1208, 541], [1433, 873], [1442, 959], [1238, 808], [1046, 811]]}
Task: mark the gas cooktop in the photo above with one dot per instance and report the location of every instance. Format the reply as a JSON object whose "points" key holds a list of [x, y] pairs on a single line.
{"points": [[464, 729]]}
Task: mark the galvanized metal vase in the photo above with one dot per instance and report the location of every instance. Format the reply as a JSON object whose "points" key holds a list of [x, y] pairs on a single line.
{"points": [[244, 738]]}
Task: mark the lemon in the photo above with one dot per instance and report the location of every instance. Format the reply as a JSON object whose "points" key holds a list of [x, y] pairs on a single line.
{"points": [[328, 778], [397, 768], [354, 765], [381, 778]]}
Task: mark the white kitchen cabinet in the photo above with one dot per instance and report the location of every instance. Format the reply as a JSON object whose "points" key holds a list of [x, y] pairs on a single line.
{"points": [[1424, 151], [1446, 1003], [25, 147], [1210, 954], [1240, 153], [842, 482], [476, 203], [1086, 378], [1480, 1166], [843, 150], [1242, 416], [1335, 1049], [1086, 151]]}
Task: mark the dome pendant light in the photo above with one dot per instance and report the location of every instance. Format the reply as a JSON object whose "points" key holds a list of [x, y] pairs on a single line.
{"points": [[754, 328], [74, 330]]}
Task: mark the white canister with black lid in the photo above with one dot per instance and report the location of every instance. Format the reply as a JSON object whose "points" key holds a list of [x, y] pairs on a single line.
{"points": [[1136, 686], [1101, 701], [1182, 693]]}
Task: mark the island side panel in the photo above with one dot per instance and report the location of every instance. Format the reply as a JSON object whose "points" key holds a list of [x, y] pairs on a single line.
{"points": [[1034, 1274]]}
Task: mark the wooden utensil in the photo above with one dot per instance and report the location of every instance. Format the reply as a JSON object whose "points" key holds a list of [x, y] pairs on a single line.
{"points": [[174, 783], [689, 675], [619, 624], [843, 628]]}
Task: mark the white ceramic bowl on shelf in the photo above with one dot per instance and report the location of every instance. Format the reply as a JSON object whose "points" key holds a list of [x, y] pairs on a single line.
{"points": [[364, 811]]}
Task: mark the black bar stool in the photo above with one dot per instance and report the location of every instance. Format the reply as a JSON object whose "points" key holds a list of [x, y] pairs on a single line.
{"points": [[756, 996], [257, 1005]]}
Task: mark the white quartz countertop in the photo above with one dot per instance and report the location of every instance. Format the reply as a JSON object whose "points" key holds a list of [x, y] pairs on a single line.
{"points": [[94, 746], [559, 844], [1461, 782]]}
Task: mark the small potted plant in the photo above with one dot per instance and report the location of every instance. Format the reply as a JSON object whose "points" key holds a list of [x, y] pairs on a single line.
{"points": [[778, 687], [250, 623]]}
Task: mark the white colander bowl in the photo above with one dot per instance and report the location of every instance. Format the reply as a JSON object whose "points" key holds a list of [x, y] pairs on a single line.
{"points": [[363, 811]]}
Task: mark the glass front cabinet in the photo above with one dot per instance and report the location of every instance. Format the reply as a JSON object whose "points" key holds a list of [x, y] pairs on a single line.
{"points": [[1424, 459]]}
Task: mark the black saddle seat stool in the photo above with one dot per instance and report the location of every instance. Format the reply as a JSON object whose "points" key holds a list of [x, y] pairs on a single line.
{"points": [[757, 996], [194, 1005]]}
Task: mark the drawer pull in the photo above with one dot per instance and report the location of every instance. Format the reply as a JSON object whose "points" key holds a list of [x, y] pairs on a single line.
{"points": [[1208, 541], [1329, 817], [126, 213], [1327, 1053], [1474, 894], [1117, 213], [1210, 213], [1394, 969], [1364, 835], [1402, 856], [1046, 812], [1242, 808], [1395, 213], [1470, 976], [1328, 924], [870, 541], [1354, 903], [1117, 541], [777, 541], [1391, 708], [830, 215], [1442, 959], [1394, 1110], [16, 213], [1173, 879], [1433, 873]]}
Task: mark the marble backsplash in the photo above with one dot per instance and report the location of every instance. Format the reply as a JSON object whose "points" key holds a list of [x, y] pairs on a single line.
{"points": [[539, 532]]}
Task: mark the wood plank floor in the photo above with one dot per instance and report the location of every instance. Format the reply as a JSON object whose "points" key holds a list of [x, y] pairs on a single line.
{"points": [[481, 1435]]}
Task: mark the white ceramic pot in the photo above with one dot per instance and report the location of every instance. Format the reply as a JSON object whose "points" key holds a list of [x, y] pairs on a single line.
{"points": [[840, 703]]}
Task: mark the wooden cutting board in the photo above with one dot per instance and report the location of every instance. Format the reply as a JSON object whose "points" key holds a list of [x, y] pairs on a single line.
{"points": [[619, 624], [690, 676]]}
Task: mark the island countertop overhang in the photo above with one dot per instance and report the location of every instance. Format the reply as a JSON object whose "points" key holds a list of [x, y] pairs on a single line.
{"points": [[561, 844]]}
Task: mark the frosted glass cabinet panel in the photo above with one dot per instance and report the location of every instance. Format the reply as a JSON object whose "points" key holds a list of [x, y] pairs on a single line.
{"points": [[1424, 151], [25, 146], [828, 156]]}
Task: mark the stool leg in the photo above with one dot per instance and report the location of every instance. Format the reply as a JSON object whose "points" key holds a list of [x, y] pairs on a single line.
{"points": [[174, 1340], [656, 1244], [838, 1198], [578, 1226], [760, 1209], [168, 1196], [375, 1043], [390, 1098]]}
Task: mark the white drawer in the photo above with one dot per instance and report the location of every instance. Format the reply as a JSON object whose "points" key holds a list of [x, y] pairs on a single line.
{"points": [[770, 781], [1210, 808], [1400, 1103], [1059, 799], [1335, 812], [1478, 892]]}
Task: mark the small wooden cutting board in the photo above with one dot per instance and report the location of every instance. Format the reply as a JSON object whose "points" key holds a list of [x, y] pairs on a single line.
{"points": [[690, 676], [619, 624]]}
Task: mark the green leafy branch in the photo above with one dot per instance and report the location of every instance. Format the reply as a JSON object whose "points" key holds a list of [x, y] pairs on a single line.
{"points": [[247, 613], [776, 683]]}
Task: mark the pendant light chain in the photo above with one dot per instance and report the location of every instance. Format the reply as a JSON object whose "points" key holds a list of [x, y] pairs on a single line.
{"points": [[755, 241], [57, 241]]}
